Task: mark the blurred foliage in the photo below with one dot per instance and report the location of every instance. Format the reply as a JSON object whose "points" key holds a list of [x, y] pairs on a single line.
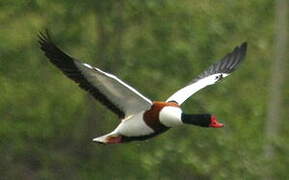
{"points": [[157, 46]]}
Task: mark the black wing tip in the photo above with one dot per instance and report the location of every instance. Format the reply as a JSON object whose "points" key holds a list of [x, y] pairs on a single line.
{"points": [[244, 44], [243, 50], [44, 37], [228, 64], [239, 51], [243, 47]]}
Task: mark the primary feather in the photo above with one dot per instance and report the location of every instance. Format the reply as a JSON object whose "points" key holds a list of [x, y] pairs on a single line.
{"points": [[214, 73]]}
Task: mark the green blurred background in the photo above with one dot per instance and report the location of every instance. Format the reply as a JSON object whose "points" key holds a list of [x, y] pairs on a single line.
{"points": [[157, 46]]}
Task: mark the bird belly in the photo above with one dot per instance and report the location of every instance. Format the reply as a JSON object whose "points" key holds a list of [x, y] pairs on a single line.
{"points": [[134, 126]]}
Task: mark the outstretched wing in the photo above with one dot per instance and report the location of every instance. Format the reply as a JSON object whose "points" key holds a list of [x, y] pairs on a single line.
{"points": [[119, 97], [213, 74]]}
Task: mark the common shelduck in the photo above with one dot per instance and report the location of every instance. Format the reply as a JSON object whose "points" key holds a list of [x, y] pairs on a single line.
{"points": [[140, 117]]}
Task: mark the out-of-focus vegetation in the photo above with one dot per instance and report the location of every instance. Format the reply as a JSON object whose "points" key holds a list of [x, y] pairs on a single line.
{"points": [[157, 46]]}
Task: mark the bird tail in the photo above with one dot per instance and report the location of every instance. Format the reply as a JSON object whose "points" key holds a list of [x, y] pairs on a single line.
{"points": [[110, 138]]}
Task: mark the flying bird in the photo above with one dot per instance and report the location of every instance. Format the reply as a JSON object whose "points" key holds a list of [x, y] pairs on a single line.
{"points": [[140, 117]]}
